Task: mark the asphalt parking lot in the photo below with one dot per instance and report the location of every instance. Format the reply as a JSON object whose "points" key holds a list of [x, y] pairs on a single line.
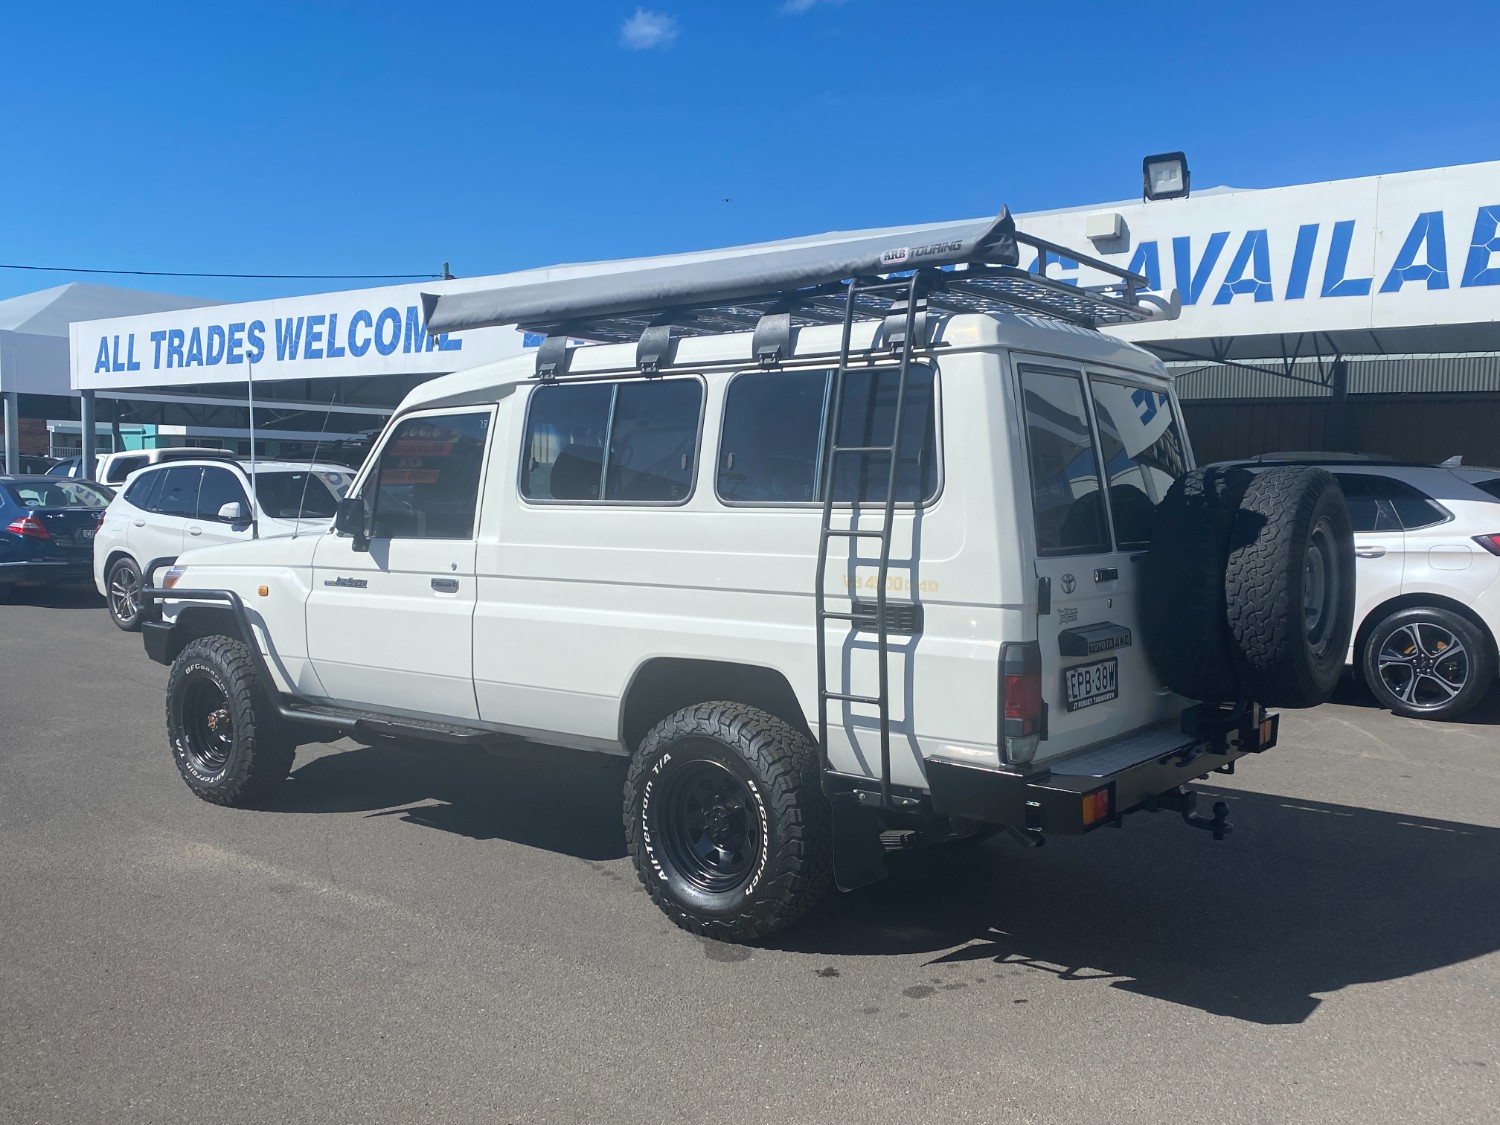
{"points": [[443, 936]]}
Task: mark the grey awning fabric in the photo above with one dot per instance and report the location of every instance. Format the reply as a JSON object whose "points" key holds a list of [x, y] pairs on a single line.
{"points": [[735, 277]]}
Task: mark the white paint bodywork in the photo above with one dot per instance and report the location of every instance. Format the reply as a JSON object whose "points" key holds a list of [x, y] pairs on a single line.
{"points": [[559, 605]]}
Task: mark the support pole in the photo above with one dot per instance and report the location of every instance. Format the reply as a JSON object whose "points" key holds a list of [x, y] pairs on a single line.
{"points": [[12, 431], [86, 431], [1336, 423]]}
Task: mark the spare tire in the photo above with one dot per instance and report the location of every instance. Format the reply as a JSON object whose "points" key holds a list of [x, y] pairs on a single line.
{"points": [[1183, 615], [1289, 586]]}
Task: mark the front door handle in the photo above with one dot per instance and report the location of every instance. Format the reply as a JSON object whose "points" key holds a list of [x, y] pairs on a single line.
{"points": [[445, 585], [195, 531], [1369, 552]]}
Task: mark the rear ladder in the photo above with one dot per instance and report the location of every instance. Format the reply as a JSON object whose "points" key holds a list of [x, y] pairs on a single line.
{"points": [[907, 315]]}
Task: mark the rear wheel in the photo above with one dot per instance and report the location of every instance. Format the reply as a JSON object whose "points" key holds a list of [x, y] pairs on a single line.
{"points": [[123, 584], [726, 821], [1428, 663]]}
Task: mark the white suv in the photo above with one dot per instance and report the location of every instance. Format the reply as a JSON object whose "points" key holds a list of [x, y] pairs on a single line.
{"points": [[113, 468], [174, 505], [832, 590]]}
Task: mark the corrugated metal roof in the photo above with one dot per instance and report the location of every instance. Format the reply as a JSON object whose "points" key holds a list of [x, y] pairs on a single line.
{"points": [[1387, 375]]}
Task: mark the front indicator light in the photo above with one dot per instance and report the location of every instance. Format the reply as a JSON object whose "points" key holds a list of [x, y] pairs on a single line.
{"points": [[263, 591], [1095, 806]]}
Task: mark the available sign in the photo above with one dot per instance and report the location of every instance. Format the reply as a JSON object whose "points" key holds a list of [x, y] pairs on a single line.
{"points": [[358, 333]]}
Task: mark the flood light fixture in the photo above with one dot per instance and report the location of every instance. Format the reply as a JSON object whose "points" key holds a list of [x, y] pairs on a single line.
{"points": [[1166, 176]]}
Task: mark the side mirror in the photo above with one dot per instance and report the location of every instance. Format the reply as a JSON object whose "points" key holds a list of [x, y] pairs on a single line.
{"points": [[350, 520], [234, 512]]}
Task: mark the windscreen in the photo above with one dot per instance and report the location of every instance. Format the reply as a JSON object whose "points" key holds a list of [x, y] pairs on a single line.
{"points": [[280, 493]]}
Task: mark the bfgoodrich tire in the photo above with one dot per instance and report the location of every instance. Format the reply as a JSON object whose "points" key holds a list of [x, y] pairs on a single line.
{"points": [[225, 737], [726, 821], [1428, 663], [1184, 618], [1289, 585]]}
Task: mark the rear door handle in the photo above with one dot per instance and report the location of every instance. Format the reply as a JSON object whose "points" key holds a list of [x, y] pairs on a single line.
{"points": [[195, 531], [1106, 574], [1369, 552], [445, 585], [139, 523]]}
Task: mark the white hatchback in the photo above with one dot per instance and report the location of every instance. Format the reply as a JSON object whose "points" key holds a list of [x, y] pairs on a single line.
{"points": [[172, 507], [1427, 580]]}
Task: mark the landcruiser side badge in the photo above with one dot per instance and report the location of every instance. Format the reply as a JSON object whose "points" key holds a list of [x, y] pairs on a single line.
{"points": [[349, 583]]}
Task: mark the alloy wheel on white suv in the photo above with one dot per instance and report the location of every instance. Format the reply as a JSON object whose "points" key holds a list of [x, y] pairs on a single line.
{"points": [[1428, 663]]}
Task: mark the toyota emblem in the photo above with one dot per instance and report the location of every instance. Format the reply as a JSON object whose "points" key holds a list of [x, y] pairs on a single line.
{"points": [[1069, 583]]}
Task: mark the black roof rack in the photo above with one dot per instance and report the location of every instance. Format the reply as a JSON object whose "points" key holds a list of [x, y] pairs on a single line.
{"points": [[967, 268]]}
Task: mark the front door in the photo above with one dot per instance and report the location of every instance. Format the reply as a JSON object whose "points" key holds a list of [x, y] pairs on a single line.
{"points": [[1083, 430], [392, 627]]}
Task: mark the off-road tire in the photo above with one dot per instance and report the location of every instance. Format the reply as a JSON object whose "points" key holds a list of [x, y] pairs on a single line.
{"points": [[123, 575], [777, 768], [1184, 618], [1435, 628], [1289, 585], [217, 672]]}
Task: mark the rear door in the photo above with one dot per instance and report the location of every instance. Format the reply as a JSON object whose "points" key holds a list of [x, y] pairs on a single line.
{"points": [[1379, 543], [1101, 449], [155, 537]]}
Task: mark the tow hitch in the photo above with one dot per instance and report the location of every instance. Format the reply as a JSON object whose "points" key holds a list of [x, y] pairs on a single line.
{"points": [[1183, 800]]}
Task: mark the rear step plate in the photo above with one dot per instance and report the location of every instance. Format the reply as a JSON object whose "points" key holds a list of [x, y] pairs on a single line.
{"points": [[1154, 742]]}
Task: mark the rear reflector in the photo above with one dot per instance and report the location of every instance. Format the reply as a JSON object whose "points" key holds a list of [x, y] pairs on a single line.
{"points": [[1095, 806], [1490, 543]]}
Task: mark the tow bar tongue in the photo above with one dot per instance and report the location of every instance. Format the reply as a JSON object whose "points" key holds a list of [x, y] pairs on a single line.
{"points": [[1183, 800]]}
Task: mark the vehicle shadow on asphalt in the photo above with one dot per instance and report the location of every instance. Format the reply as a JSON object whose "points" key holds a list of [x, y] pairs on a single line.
{"points": [[80, 596], [564, 801], [1352, 693], [1305, 899]]}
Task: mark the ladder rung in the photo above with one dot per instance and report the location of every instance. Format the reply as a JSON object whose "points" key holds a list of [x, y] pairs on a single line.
{"points": [[841, 615], [847, 698], [863, 449], [854, 532]]}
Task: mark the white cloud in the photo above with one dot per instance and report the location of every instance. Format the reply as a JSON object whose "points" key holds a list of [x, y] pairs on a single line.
{"points": [[646, 30], [798, 7]]}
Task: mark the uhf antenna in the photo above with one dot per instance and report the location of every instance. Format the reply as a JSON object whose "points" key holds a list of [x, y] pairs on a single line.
{"points": [[313, 460], [254, 490]]}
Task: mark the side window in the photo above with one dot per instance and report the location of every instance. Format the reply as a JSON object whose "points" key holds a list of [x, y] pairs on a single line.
{"points": [[773, 427], [427, 481], [1413, 507], [144, 490], [776, 426], [122, 467], [219, 488], [1065, 495], [1142, 451], [178, 495], [1368, 509], [634, 442]]}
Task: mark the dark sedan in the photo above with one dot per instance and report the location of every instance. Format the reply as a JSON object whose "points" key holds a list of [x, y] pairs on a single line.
{"points": [[47, 527]]}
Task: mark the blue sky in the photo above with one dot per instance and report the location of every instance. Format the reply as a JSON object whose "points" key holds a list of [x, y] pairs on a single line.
{"points": [[372, 137]]}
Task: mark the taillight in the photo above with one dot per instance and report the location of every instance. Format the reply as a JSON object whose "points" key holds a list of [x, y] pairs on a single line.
{"points": [[30, 527], [1490, 543], [1023, 713], [173, 576]]}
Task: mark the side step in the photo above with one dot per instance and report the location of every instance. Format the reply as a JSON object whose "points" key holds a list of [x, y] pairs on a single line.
{"points": [[372, 724]]}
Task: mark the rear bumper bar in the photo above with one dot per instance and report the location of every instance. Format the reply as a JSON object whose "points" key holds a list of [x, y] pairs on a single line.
{"points": [[1054, 800]]}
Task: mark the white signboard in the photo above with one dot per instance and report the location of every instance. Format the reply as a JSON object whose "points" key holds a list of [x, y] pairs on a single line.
{"points": [[356, 333], [1405, 250]]}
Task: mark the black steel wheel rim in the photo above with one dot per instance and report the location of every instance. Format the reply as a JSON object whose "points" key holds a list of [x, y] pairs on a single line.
{"points": [[207, 726], [125, 592], [1424, 665], [1321, 587], [708, 825]]}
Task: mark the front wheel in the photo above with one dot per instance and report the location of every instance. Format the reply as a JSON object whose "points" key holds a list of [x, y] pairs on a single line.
{"points": [[726, 821], [1428, 663], [225, 736]]}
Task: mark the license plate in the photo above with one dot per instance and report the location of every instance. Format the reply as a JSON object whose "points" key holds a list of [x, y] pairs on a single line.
{"points": [[86, 535], [1088, 684]]}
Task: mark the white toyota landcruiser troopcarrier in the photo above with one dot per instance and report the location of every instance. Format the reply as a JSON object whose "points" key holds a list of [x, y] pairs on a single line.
{"points": [[850, 546]]}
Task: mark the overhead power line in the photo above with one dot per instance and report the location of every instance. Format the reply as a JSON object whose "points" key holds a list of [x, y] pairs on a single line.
{"points": [[241, 276]]}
